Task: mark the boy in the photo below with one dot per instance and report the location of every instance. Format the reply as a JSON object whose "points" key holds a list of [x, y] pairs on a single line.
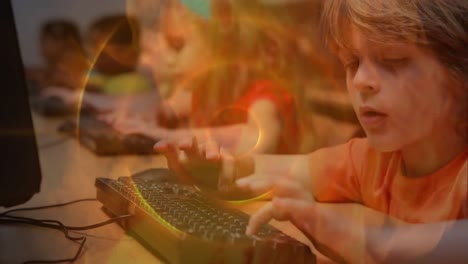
{"points": [[406, 67]]}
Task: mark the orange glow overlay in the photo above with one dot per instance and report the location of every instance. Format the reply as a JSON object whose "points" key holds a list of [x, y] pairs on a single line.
{"points": [[266, 53]]}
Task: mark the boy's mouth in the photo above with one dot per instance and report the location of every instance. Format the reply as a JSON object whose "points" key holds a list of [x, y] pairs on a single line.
{"points": [[373, 113], [370, 116]]}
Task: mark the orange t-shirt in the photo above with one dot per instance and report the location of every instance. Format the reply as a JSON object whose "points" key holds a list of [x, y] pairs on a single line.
{"points": [[355, 172]]}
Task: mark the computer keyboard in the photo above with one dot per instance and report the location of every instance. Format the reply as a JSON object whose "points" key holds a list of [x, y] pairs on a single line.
{"points": [[54, 106], [103, 139], [184, 225]]}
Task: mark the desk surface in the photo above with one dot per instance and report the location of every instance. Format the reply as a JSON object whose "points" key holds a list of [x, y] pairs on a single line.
{"points": [[68, 173]]}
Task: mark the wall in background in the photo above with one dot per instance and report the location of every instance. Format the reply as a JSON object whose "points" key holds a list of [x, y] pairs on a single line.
{"points": [[30, 14]]}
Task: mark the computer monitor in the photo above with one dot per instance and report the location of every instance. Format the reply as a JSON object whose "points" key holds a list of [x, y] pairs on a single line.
{"points": [[20, 174]]}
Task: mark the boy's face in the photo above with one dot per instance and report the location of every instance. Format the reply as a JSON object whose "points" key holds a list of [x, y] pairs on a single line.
{"points": [[177, 48], [51, 48], [111, 58], [398, 90]]}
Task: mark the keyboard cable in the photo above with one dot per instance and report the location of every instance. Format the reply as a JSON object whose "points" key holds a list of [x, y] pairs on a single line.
{"points": [[7, 218]]}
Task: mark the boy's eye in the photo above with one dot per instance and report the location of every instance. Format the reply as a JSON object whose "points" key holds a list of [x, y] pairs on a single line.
{"points": [[349, 60], [395, 61], [351, 65]]}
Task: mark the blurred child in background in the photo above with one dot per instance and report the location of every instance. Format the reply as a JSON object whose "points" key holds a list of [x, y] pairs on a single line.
{"points": [[237, 99], [114, 49], [65, 63], [173, 48]]}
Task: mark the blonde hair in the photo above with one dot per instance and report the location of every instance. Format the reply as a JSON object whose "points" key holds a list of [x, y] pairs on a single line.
{"points": [[439, 26]]}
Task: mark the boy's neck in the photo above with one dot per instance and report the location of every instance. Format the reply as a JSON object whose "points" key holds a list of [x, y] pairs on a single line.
{"points": [[431, 154]]}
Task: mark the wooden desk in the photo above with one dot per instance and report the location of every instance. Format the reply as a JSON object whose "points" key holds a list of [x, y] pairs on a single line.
{"points": [[68, 172]]}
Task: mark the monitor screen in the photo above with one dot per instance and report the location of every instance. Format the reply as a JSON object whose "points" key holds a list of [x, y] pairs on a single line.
{"points": [[20, 174]]}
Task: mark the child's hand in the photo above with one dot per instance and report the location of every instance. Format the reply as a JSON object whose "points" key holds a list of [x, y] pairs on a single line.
{"points": [[336, 230], [115, 116], [132, 125], [197, 162], [139, 125], [290, 201]]}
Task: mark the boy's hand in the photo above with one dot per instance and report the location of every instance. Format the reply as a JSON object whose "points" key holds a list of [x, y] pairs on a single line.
{"points": [[133, 125], [136, 125], [113, 117], [336, 230], [194, 162], [291, 201], [209, 166]]}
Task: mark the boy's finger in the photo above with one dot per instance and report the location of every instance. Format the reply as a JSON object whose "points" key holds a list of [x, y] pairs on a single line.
{"points": [[162, 145], [301, 213], [255, 184], [259, 218], [227, 177], [291, 207], [176, 160], [185, 144], [172, 157], [212, 151], [192, 148], [280, 209], [291, 189], [265, 214]]}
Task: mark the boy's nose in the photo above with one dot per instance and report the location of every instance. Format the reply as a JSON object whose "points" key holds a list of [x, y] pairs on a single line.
{"points": [[366, 79], [177, 43]]}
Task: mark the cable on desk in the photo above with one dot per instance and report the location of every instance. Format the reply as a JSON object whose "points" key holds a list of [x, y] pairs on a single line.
{"points": [[81, 240], [48, 206], [5, 218], [54, 223]]}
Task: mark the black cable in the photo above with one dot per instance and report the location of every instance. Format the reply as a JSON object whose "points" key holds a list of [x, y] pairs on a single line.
{"points": [[41, 223], [112, 220], [73, 259], [59, 227], [54, 224], [48, 206], [74, 228]]}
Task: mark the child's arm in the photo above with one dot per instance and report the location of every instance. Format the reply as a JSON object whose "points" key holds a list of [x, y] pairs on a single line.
{"points": [[258, 135], [443, 242], [353, 233], [261, 171], [186, 155]]}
